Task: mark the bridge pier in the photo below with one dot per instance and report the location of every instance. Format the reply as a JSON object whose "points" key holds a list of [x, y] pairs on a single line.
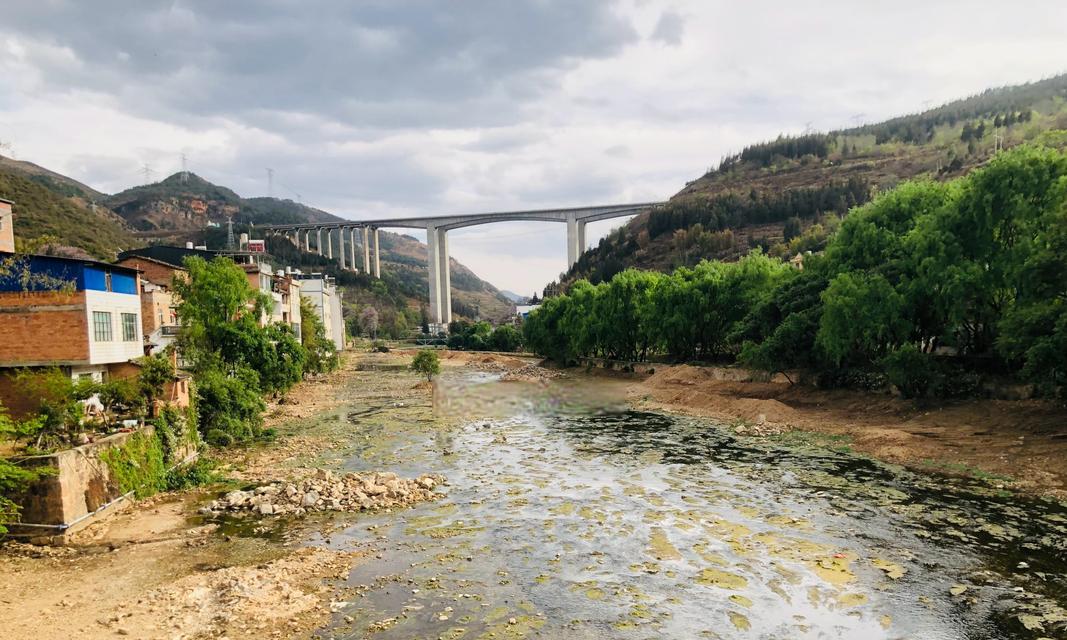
{"points": [[366, 250], [377, 256], [433, 266], [440, 277], [307, 240], [341, 248], [575, 239], [352, 249], [318, 241]]}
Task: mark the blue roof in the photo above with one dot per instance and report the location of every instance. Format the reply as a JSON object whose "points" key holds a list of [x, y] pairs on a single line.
{"points": [[47, 273]]}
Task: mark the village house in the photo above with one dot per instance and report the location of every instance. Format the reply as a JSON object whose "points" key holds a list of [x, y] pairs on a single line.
{"points": [[322, 292], [83, 316], [283, 290]]}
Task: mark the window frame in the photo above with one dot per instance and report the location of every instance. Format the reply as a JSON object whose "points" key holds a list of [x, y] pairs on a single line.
{"points": [[99, 319], [132, 318]]}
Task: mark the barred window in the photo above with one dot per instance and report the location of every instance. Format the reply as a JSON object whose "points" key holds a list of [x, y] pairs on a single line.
{"points": [[102, 326], [129, 327]]}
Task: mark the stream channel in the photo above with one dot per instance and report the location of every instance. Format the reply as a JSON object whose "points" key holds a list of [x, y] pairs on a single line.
{"points": [[567, 515]]}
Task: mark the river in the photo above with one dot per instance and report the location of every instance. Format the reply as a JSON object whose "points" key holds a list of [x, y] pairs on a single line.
{"points": [[566, 515]]}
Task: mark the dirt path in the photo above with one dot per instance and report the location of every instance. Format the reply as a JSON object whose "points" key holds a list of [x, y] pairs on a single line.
{"points": [[1021, 444], [153, 572]]}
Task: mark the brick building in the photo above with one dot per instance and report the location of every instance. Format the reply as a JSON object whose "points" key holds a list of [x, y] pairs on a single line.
{"points": [[7, 226], [83, 316]]}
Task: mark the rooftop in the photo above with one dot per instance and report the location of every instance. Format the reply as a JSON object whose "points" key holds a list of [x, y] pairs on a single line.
{"points": [[88, 262]]}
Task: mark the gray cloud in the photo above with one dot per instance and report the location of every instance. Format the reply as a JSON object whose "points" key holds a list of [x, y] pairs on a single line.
{"points": [[389, 63], [670, 28]]}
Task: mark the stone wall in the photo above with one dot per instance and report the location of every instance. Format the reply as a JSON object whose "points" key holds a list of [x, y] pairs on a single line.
{"points": [[82, 489]]}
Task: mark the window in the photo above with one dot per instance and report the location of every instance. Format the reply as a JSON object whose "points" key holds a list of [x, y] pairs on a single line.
{"points": [[102, 326], [129, 327]]}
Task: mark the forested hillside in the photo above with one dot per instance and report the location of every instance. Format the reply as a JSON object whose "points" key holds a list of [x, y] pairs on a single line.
{"points": [[64, 222], [937, 287], [788, 195]]}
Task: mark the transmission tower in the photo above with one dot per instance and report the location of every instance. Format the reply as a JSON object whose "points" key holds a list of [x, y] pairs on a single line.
{"points": [[185, 172], [270, 182], [6, 149], [229, 233], [148, 172]]}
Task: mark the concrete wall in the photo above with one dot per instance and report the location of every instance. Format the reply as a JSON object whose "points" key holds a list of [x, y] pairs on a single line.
{"points": [[81, 491], [44, 327], [116, 349]]}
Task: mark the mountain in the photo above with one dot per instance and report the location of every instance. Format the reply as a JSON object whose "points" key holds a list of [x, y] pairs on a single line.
{"points": [[514, 297], [186, 203], [55, 182], [787, 195], [67, 223], [78, 220]]}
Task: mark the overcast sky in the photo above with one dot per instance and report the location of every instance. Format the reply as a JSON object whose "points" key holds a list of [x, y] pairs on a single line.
{"points": [[393, 107]]}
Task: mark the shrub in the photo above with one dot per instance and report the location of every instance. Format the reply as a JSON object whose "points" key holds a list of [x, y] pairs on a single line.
{"points": [[914, 373], [200, 472], [426, 362], [219, 438], [230, 403], [137, 465]]}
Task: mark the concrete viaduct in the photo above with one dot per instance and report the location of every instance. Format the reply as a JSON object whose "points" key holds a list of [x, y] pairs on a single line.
{"points": [[437, 228]]}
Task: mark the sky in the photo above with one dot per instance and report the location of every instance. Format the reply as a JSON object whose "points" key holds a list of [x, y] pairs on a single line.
{"points": [[390, 108]]}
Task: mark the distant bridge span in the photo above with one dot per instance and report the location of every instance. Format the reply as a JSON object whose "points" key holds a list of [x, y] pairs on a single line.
{"points": [[437, 228]]}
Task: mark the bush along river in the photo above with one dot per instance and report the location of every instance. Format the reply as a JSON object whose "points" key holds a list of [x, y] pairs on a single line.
{"points": [[566, 517]]}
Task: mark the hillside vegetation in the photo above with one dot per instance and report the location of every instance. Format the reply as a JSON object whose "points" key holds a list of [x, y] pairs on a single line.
{"points": [[42, 214], [788, 195], [935, 287]]}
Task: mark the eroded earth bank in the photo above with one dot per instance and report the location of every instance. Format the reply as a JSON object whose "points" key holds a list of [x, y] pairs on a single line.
{"points": [[507, 502]]}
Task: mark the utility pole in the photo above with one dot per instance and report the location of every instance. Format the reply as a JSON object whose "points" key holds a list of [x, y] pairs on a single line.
{"points": [[270, 182]]}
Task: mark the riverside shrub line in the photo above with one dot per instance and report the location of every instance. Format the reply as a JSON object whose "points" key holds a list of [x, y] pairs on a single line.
{"points": [[930, 286]]}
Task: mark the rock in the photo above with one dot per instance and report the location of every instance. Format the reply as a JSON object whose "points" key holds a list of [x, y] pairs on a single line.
{"points": [[266, 508], [310, 499]]}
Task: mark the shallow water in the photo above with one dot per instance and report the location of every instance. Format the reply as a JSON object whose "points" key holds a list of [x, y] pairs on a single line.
{"points": [[567, 516]]}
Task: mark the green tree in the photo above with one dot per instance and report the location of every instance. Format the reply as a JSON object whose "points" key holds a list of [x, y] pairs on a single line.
{"points": [[427, 363], [505, 338], [321, 351], [156, 372], [861, 320]]}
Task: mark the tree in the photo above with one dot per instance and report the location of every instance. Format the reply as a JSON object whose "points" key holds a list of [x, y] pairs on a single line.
{"points": [[213, 298], [861, 320], [156, 372], [791, 228], [321, 351], [505, 338], [368, 320], [427, 363]]}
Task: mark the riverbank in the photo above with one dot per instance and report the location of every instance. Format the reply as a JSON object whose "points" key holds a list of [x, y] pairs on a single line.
{"points": [[1020, 445], [161, 569]]}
